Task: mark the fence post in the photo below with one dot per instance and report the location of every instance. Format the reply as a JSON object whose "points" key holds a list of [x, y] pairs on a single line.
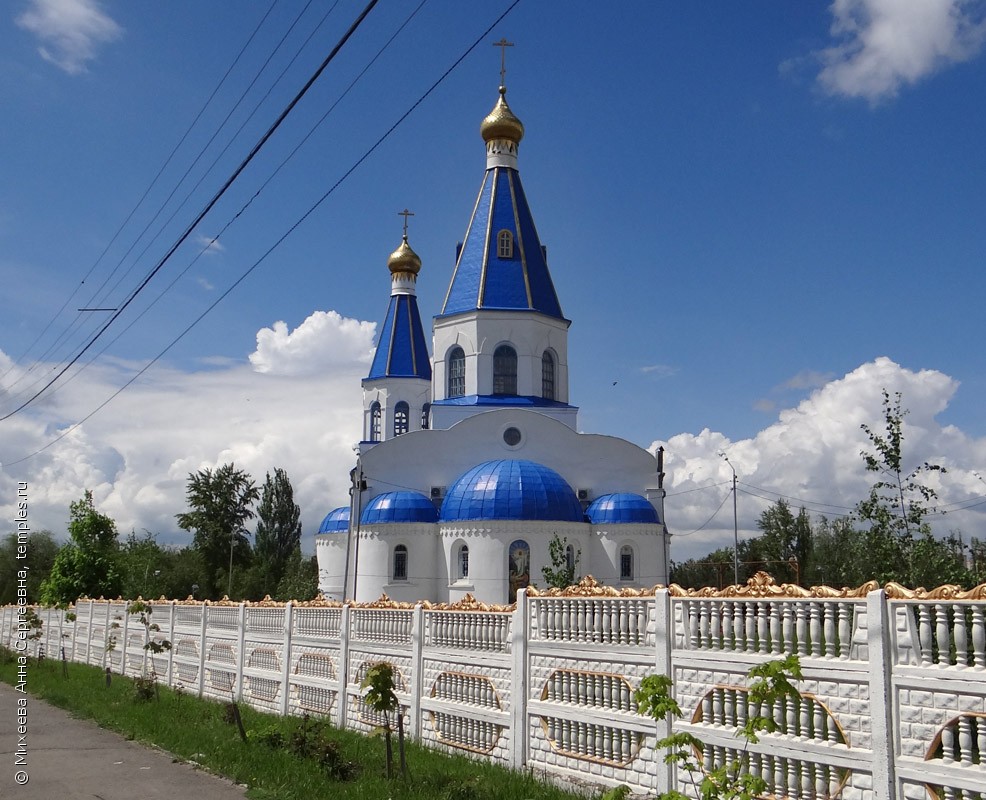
{"points": [[173, 605], [343, 676], [106, 638], [286, 657], [240, 654], [518, 682], [202, 643], [881, 702], [664, 640], [417, 665], [126, 640]]}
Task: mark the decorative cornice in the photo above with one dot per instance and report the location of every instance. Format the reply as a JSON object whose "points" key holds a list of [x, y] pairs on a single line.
{"points": [[590, 587], [469, 603], [949, 591], [763, 586]]}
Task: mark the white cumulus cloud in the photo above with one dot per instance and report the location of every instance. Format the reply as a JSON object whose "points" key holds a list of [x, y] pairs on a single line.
{"points": [[70, 31], [811, 455], [321, 343], [884, 44]]}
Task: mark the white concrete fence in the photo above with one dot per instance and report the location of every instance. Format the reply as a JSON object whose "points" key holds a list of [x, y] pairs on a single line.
{"points": [[892, 705]]}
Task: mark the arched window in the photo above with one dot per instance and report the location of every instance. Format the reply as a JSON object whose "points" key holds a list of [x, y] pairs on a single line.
{"points": [[462, 563], [505, 370], [547, 376], [456, 372], [401, 414], [425, 411], [505, 244], [400, 563], [375, 422], [626, 563]]}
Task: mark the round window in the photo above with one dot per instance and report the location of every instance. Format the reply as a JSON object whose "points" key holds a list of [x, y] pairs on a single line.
{"points": [[512, 436]]}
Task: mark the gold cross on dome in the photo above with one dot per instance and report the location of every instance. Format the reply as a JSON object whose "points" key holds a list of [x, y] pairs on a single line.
{"points": [[503, 44], [405, 213]]}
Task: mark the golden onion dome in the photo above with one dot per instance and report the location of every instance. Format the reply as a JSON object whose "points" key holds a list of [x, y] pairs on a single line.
{"points": [[404, 259], [501, 123]]}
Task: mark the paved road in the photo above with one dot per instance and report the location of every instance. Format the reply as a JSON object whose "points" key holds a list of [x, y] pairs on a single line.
{"points": [[72, 759]]}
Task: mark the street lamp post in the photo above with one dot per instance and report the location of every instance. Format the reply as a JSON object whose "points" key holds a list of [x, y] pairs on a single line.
{"points": [[735, 522]]}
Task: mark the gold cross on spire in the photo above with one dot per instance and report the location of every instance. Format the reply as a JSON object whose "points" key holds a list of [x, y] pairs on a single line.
{"points": [[503, 44], [405, 213]]}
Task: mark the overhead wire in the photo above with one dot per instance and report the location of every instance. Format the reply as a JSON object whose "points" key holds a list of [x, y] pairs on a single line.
{"points": [[246, 205], [191, 227], [243, 276], [140, 201]]}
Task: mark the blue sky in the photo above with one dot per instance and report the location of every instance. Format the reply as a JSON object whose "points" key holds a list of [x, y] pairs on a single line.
{"points": [[757, 217]]}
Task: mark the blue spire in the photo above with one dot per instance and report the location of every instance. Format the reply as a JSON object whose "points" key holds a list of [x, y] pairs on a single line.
{"points": [[501, 264], [401, 350]]}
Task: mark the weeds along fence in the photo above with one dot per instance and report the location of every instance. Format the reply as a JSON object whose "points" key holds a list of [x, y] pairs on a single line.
{"points": [[892, 705]]}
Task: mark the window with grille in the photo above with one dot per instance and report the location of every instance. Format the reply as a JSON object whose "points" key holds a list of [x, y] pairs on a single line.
{"points": [[547, 376], [401, 415], [425, 411], [375, 422], [505, 370], [400, 563], [463, 561], [626, 563], [505, 244], [456, 372]]}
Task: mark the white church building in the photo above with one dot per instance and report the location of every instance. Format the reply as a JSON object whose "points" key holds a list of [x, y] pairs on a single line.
{"points": [[471, 461]]}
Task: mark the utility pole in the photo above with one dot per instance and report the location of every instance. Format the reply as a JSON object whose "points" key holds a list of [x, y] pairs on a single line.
{"points": [[735, 522]]}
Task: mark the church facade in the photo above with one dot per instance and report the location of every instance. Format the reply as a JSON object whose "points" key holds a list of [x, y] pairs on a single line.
{"points": [[471, 462]]}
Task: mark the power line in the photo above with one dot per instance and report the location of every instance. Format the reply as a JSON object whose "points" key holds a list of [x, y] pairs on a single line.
{"points": [[283, 236], [140, 202], [188, 231]]}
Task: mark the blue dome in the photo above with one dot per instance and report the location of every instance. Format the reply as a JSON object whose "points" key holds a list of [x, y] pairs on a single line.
{"points": [[399, 507], [511, 489], [619, 508], [336, 521]]}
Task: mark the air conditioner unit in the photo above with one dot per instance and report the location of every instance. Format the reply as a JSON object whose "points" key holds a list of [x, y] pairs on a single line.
{"points": [[437, 492], [583, 494]]}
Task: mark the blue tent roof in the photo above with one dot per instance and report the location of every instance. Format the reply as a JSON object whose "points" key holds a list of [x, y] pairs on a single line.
{"points": [[511, 489], [484, 280], [402, 351], [336, 521], [621, 507], [399, 507]]}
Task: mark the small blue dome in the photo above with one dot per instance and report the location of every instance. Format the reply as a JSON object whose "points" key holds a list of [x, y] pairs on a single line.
{"points": [[399, 507], [511, 489], [336, 521], [619, 508]]}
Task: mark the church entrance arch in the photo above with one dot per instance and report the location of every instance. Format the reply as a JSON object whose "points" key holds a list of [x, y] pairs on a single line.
{"points": [[518, 568]]}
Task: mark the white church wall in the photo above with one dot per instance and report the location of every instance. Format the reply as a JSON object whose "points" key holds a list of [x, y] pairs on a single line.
{"points": [[892, 704]]}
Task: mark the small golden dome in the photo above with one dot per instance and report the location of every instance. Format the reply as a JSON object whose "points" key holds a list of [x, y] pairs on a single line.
{"points": [[501, 123], [404, 259]]}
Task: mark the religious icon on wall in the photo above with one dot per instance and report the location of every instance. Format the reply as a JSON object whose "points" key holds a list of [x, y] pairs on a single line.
{"points": [[519, 567]]}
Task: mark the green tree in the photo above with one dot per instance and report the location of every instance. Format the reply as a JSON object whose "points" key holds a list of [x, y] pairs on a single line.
{"points": [[278, 529], [716, 569], [563, 571], [785, 546], [382, 697], [897, 503], [41, 551], [897, 506], [219, 504], [88, 564], [300, 578]]}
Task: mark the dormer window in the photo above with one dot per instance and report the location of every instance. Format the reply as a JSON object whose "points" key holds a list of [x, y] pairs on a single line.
{"points": [[505, 244]]}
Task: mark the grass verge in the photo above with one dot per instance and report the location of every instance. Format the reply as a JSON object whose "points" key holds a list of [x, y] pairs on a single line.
{"points": [[268, 764]]}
